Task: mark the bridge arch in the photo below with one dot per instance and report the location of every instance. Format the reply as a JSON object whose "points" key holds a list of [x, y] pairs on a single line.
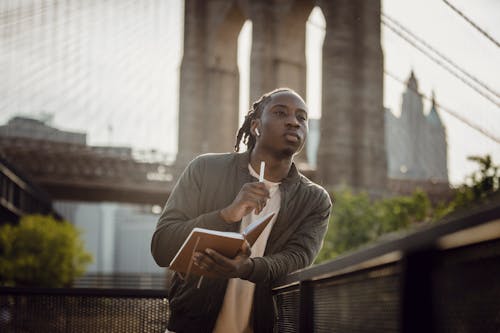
{"points": [[352, 149]]}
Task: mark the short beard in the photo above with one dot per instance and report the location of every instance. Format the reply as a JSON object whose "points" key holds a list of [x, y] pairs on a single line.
{"points": [[286, 153]]}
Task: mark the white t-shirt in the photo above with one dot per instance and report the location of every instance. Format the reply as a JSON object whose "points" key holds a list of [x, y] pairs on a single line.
{"points": [[234, 315]]}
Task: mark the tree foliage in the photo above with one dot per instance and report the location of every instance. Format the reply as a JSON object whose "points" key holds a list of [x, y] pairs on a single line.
{"points": [[479, 186], [41, 251], [356, 219]]}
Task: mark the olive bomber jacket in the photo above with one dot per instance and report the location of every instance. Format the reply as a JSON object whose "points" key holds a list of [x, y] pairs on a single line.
{"points": [[210, 183]]}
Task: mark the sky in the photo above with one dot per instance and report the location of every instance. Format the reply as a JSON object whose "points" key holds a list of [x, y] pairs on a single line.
{"points": [[449, 33], [111, 69]]}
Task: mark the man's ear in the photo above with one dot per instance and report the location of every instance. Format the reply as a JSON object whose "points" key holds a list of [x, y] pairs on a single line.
{"points": [[254, 127]]}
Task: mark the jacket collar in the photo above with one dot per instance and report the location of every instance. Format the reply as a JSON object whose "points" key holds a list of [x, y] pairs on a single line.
{"points": [[293, 175]]}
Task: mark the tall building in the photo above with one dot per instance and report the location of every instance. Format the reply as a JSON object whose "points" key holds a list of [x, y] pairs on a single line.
{"points": [[23, 127], [29, 129], [415, 145], [416, 142]]}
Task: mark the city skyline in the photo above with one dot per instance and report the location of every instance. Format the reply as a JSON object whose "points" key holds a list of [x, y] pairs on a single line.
{"points": [[122, 88]]}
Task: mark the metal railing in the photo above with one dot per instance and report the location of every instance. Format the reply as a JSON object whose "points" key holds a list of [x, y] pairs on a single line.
{"points": [[442, 278], [95, 303], [121, 281], [82, 310]]}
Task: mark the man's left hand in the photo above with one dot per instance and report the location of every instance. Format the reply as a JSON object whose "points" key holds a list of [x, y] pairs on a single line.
{"points": [[239, 267]]}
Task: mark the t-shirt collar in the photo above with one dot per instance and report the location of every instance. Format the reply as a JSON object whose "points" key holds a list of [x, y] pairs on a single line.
{"points": [[292, 177], [256, 175]]}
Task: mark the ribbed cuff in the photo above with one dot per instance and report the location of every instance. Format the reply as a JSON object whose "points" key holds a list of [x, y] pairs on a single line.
{"points": [[259, 271], [250, 271]]}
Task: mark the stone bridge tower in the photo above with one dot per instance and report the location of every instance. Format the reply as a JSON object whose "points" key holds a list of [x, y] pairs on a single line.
{"points": [[352, 148]]}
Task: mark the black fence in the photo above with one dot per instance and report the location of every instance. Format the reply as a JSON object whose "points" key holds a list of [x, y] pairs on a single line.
{"points": [[82, 310], [444, 278]]}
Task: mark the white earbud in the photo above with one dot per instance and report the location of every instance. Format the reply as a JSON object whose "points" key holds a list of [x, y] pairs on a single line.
{"points": [[257, 132]]}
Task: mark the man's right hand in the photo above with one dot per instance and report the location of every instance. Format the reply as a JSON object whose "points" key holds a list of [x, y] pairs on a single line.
{"points": [[252, 196]]}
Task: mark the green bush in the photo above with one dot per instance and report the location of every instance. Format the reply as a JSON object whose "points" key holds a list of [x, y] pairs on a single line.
{"points": [[41, 251], [356, 219], [478, 187]]}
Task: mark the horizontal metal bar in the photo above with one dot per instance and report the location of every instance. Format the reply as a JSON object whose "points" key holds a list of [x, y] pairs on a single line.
{"points": [[85, 292]]}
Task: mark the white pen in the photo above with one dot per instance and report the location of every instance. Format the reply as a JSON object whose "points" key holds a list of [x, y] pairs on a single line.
{"points": [[261, 174]]}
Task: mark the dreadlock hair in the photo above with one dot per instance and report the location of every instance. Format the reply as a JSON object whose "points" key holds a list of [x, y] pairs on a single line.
{"points": [[244, 133]]}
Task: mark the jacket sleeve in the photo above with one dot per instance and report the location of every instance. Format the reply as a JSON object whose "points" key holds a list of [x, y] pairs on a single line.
{"points": [[181, 214], [300, 249]]}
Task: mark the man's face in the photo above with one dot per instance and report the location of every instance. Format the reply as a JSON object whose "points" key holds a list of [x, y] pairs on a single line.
{"points": [[283, 124]]}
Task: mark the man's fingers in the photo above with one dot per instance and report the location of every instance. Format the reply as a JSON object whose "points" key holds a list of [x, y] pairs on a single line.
{"points": [[263, 203], [221, 270], [258, 189], [203, 261], [253, 196], [264, 193], [218, 258], [256, 204], [214, 262], [260, 204], [245, 249], [210, 260]]}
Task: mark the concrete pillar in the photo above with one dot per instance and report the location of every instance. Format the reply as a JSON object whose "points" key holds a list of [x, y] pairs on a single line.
{"points": [[222, 113], [278, 45], [209, 86], [278, 57], [352, 146], [192, 94], [261, 58], [290, 48], [373, 155]]}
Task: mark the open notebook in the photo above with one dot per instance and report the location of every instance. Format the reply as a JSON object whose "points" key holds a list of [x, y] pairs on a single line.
{"points": [[226, 243]]}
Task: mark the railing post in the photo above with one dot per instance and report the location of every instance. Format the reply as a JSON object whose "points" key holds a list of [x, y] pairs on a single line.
{"points": [[416, 292], [306, 307]]}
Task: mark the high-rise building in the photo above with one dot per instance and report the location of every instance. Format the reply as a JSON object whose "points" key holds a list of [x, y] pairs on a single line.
{"points": [[415, 145], [23, 127], [416, 142]]}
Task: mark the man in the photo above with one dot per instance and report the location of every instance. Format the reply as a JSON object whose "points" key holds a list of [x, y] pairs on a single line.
{"points": [[220, 192]]}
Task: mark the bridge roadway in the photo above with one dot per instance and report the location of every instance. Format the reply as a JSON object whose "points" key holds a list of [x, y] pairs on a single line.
{"points": [[86, 173]]}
